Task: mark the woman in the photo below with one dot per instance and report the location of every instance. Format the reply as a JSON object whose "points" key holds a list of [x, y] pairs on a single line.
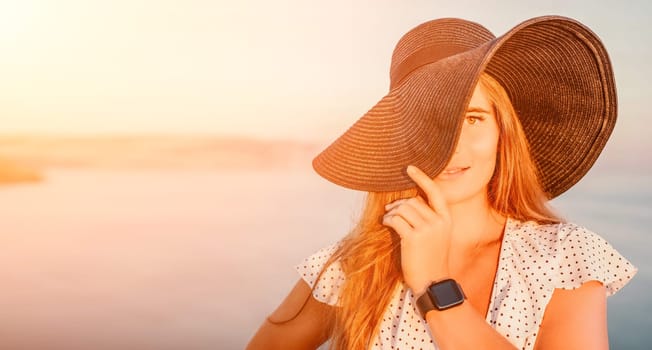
{"points": [[456, 247]]}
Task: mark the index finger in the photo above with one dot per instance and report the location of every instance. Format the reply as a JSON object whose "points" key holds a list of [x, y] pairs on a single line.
{"points": [[432, 190]]}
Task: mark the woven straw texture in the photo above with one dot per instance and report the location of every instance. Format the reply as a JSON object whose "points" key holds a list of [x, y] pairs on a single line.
{"points": [[555, 70]]}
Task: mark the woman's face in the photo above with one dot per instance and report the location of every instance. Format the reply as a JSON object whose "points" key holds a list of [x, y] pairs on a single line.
{"points": [[467, 174]]}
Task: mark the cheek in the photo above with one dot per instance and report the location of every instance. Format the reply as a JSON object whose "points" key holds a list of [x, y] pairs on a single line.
{"points": [[483, 155], [484, 151]]}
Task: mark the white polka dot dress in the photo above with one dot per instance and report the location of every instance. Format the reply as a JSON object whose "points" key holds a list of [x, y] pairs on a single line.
{"points": [[534, 260]]}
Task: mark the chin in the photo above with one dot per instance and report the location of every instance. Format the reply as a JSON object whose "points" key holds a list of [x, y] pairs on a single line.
{"points": [[453, 196]]}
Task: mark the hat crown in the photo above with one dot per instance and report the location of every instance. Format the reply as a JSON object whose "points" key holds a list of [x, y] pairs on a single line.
{"points": [[432, 41]]}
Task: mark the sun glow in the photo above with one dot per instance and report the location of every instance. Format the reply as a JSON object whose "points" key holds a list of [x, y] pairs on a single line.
{"points": [[16, 19]]}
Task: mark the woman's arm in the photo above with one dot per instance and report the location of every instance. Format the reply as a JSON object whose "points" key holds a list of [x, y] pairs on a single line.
{"points": [[424, 226], [462, 327], [300, 322], [575, 319]]}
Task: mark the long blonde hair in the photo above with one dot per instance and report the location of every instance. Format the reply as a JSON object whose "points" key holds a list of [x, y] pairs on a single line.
{"points": [[369, 254]]}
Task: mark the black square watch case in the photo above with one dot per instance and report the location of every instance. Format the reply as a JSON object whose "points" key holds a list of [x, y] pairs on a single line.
{"points": [[441, 295]]}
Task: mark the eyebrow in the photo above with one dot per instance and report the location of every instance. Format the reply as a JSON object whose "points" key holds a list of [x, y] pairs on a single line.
{"points": [[477, 109]]}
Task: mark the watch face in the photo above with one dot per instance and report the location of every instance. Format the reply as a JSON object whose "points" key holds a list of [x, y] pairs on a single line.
{"points": [[446, 294]]}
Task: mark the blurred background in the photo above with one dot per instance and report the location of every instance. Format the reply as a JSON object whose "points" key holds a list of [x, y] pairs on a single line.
{"points": [[155, 179]]}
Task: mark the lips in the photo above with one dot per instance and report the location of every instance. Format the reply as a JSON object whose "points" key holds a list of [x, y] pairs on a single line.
{"points": [[453, 173], [454, 170]]}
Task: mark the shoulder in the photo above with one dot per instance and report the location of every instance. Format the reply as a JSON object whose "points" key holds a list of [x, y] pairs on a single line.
{"points": [[545, 235], [542, 242], [553, 239], [323, 276], [572, 253]]}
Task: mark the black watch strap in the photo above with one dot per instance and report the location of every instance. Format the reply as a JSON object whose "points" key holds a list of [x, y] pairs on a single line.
{"points": [[425, 304]]}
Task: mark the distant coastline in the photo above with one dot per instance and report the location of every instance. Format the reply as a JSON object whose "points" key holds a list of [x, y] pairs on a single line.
{"points": [[11, 173], [25, 158], [25, 152]]}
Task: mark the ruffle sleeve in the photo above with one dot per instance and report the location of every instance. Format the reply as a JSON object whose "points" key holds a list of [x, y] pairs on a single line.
{"points": [[585, 256], [329, 284]]}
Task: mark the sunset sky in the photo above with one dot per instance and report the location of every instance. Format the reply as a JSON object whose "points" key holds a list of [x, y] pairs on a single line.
{"points": [[271, 69]]}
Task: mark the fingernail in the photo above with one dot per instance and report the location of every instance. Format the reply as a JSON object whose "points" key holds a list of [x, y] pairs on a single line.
{"points": [[410, 169]]}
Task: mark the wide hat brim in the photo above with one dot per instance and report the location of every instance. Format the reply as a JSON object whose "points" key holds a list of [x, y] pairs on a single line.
{"points": [[555, 70]]}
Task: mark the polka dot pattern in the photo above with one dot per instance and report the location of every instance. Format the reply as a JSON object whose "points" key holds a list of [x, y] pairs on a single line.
{"points": [[534, 260], [328, 287]]}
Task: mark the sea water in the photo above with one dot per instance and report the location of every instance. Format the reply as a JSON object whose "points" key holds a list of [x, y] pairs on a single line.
{"points": [[196, 259]]}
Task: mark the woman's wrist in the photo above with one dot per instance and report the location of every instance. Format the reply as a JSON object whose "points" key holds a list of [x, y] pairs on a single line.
{"points": [[419, 291]]}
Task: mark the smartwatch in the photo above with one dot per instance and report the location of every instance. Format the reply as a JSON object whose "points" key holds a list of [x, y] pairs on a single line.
{"points": [[440, 295]]}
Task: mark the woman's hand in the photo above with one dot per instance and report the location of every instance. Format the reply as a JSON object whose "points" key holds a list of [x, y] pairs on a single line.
{"points": [[425, 231]]}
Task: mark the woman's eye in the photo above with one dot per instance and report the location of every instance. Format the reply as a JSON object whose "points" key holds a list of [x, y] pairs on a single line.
{"points": [[473, 119]]}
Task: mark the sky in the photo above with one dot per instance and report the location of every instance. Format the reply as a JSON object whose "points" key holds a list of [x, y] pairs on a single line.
{"points": [[271, 69]]}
